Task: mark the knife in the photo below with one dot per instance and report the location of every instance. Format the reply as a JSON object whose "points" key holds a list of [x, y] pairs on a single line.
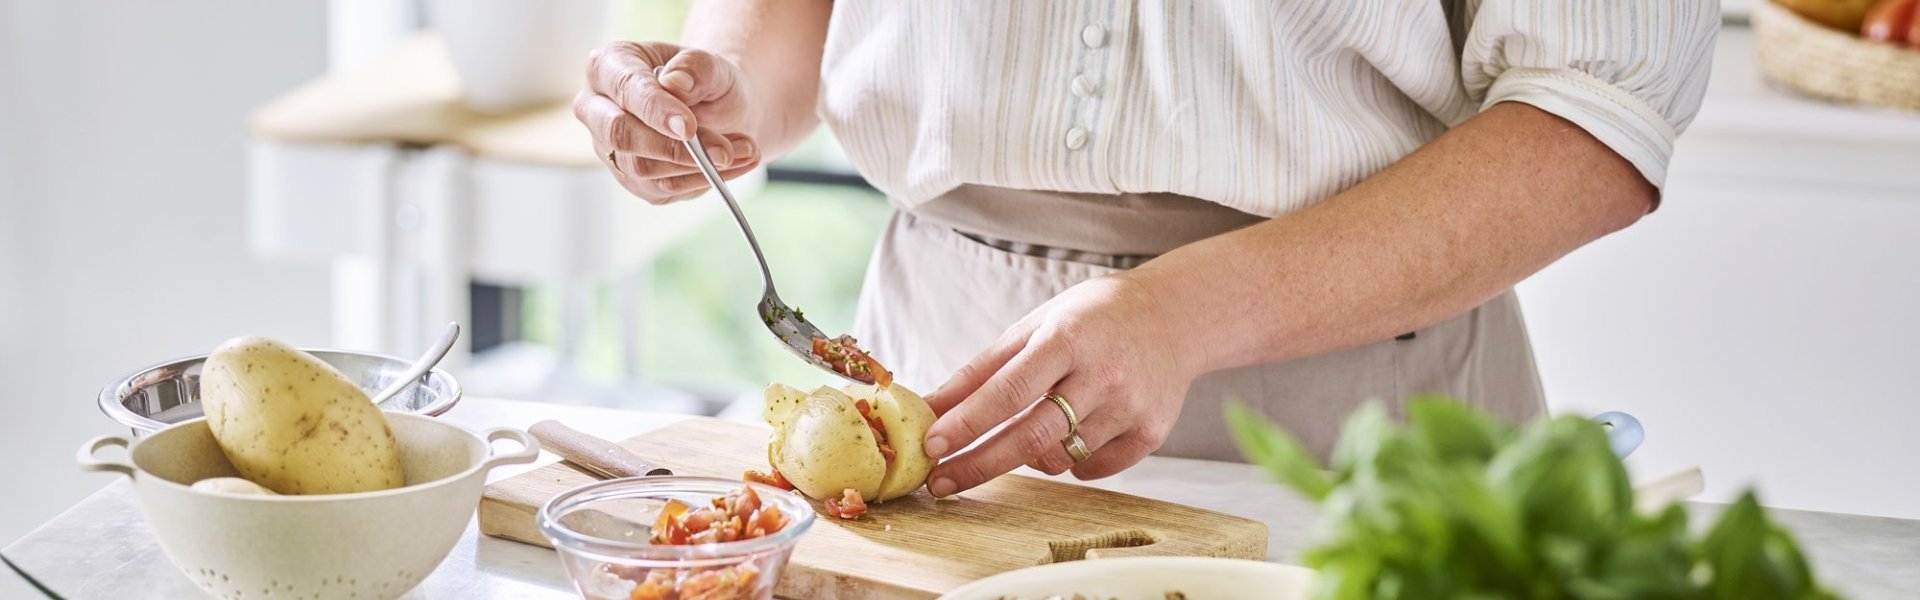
{"points": [[598, 457]]}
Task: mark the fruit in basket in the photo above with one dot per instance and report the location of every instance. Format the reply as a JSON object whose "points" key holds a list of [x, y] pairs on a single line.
{"points": [[1892, 21], [293, 424], [1844, 15], [864, 438]]}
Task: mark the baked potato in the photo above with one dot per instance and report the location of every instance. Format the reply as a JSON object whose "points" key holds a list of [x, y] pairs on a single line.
{"points": [[293, 424], [863, 438]]}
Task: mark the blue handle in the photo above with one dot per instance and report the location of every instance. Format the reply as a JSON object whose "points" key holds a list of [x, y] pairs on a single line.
{"points": [[1623, 432]]}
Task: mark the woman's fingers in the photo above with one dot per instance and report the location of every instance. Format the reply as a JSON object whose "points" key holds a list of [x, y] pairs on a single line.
{"points": [[1096, 430], [724, 151], [683, 187], [1031, 372], [695, 76], [643, 100], [709, 85], [1119, 454], [976, 372], [1030, 434], [641, 155], [623, 72]]}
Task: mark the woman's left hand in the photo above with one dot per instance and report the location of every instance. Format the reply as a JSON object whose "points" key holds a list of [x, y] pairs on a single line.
{"points": [[1107, 347]]}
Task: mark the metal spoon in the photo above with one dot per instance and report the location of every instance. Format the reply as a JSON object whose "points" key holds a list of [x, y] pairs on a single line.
{"points": [[420, 367], [786, 323]]}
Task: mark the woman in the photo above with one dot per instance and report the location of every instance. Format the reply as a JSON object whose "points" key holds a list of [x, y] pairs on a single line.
{"points": [[1115, 216]]}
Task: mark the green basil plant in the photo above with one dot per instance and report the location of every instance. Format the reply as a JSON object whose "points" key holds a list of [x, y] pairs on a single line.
{"points": [[1457, 504]]}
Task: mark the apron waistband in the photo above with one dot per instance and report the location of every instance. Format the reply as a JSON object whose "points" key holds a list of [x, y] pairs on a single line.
{"points": [[1119, 230]]}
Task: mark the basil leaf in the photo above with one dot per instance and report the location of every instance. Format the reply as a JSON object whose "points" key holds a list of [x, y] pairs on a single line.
{"points": [[1751, 558], [1456, 431], [1276, 451], [1457, 504]]}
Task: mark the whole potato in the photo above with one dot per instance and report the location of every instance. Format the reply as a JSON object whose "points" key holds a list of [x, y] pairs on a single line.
{"points": [[231, 485], [294, 424]]}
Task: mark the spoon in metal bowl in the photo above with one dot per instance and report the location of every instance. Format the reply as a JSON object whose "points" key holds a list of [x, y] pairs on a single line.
{"points": [[786, 323], [419, 368]]}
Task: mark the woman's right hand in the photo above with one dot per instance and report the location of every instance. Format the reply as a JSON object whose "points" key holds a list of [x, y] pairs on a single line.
{"points": [[643, 99]]}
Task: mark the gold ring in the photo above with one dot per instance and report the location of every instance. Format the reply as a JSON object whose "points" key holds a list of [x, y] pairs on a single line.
{"points": [[1076, 447], [1073, 422]]}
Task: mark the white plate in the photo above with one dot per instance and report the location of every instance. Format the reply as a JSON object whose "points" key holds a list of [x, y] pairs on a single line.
{"points": [[1146, 578]]}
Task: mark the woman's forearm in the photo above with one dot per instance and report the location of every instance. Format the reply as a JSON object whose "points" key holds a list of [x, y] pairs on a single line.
{"points": [[1439, 232], [778, 44]]}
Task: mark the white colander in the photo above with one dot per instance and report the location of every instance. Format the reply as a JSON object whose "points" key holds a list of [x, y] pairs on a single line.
{"points": [[367, 545]]}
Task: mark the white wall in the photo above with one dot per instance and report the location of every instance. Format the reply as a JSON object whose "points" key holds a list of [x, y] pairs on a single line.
{"points": [[1768, 334], [9, 224], [121, 211], [1764, 324]]}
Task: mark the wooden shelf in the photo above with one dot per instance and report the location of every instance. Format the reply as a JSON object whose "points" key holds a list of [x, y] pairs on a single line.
{"points": [[412, 96]]}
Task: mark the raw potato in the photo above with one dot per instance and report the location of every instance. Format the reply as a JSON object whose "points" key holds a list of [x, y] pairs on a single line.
{"points": [[231, 485], [294, 424], [822, 445]]}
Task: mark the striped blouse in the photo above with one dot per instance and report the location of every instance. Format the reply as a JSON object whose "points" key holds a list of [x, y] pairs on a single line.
{"points": [[1261, 105]]}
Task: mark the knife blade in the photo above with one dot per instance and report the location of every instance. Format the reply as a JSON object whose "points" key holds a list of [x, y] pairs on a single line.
{"points": [[598, 457]]}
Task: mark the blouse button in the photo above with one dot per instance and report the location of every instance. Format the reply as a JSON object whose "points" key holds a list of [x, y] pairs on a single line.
{"points": [[1094, 36], [1084, 87], [1076, 138]]}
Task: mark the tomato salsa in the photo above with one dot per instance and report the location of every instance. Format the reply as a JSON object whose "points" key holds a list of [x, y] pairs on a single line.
{"points": [[737, 516], [844, 355]]}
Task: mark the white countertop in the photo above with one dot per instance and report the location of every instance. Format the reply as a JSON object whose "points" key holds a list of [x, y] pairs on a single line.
{"points": [[101, 548]]}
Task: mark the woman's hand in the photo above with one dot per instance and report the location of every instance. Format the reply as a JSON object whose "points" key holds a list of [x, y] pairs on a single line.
{"points": [[643, 99], [1105, 347]]}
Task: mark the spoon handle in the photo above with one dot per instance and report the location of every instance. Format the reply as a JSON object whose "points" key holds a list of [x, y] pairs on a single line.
{"points": [[720, 185], [421, 366]]}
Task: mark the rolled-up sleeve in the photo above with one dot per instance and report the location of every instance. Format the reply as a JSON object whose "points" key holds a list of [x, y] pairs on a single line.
{"points": [[1629, 72]]}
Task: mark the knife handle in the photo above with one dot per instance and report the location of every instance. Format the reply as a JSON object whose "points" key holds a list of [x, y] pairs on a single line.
{"points": [[599, 457]]}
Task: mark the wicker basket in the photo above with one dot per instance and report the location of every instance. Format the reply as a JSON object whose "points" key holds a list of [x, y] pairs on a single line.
{"points": [[1826, 63]]}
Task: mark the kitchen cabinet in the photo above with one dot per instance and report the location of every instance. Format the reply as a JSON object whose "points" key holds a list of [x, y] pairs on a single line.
{"points": [[381, 172]]}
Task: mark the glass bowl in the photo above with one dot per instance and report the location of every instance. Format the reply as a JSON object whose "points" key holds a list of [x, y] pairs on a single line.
{"points": [[601, 531]]}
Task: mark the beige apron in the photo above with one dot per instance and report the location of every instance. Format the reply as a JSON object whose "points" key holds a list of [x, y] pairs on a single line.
{"points": [[949, 277]]}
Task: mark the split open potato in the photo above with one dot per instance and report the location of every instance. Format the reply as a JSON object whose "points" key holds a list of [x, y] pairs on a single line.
{"points": [[864, 438]]}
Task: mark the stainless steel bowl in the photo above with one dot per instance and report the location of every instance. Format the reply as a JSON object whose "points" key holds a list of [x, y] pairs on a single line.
{"points": [[169, 392]]}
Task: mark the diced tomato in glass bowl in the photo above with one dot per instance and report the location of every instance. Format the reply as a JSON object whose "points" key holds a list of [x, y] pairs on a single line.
{"points": [[675, 538]]}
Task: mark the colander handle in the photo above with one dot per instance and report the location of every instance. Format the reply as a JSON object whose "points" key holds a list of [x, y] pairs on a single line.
{"points": [[529, 447], [89, 463]]}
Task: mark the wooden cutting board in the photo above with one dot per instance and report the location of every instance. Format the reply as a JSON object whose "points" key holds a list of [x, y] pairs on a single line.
{"points": [[915, 546]]}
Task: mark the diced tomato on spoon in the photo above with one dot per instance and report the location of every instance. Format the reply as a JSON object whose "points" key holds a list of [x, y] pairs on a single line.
{"points": [[844, 355]]}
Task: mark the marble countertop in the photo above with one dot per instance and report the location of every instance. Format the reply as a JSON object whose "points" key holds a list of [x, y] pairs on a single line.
{"points": [[102, 548]]}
